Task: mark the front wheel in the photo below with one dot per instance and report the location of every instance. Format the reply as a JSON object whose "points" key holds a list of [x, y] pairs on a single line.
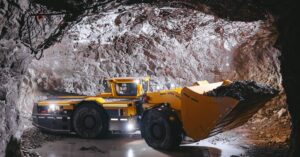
{"points": [[161, 128], [90, 121]]}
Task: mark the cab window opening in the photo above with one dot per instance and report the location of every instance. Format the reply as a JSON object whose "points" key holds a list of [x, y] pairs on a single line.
{"points": [[126, 89]]}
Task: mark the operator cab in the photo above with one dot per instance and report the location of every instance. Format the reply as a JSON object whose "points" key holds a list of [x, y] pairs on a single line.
{"points": [[125, 87], [124, 110]]}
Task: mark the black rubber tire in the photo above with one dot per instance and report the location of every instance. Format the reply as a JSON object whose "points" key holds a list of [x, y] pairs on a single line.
{"points": [[161, 129], [90, 120]]}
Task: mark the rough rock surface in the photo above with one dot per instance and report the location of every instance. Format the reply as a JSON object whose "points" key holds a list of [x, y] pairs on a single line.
{"points": [[15, 90], [267, 128], [14, 60], [33, 138], [172, 45]]}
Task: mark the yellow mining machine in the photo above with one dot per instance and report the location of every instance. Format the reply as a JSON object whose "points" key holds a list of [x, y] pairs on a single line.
{"points": [[115, 110], [200, 111], [164, 117]]}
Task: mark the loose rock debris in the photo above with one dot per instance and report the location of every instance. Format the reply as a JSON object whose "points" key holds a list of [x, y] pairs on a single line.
{"points": [[34, 138], [243, 90]]}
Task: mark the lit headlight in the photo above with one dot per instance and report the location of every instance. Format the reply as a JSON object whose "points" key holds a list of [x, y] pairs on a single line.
{"points": [[172, 85], [53, 108], [136, 81], [158, 87], [130, 126]]}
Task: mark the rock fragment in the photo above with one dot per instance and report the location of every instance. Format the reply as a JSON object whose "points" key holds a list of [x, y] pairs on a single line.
{"points": [[281, 112]]}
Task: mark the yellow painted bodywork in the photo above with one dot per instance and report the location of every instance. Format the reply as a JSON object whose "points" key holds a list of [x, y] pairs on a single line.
{"points": [[172, 97], [198, 113], [107, 100]]}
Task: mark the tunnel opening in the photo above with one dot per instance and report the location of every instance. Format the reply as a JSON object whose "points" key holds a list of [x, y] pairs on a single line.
{"points": [[162, 40]]}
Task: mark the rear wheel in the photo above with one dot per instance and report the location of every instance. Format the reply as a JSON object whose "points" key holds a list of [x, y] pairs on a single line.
{"points": [[161, 128], [90, 120]]}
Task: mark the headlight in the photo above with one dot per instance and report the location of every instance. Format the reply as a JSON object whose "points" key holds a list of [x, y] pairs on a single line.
{"points": [[53, 108], [136, 81], [158, 87], [172, 86], [130, 126]]}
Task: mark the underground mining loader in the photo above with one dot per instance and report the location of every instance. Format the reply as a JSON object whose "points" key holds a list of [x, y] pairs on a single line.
{"points": [[200, 111], [115, 110], [164, 117]]}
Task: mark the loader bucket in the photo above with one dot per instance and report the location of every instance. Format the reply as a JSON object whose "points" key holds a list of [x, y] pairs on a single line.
{"points": [[214, 108]]}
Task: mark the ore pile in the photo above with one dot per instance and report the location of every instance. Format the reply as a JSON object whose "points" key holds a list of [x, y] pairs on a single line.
{"points": [[251, 95], [243, 90]]}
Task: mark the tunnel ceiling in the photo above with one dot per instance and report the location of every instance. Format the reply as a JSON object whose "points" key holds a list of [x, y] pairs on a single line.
{"points": [[64, 14]]}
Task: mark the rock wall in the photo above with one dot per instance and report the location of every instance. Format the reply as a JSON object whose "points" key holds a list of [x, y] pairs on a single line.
{"points": [[18, 23], [172, 45], [14, 60]]}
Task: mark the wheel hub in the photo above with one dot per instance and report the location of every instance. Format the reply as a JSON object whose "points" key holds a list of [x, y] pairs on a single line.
{"points": [[158, 131], [89, 122]]}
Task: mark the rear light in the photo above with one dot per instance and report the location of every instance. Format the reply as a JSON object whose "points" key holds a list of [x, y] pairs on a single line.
{"points": [[43, 112], [42, 109]]}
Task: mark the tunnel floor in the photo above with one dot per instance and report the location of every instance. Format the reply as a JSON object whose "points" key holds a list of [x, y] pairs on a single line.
{"points": [[131, 146], [235, 143]]}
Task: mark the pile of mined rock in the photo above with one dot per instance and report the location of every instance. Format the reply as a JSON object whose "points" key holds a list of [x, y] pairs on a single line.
{"points": [[243, 90], [251, 95]]}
